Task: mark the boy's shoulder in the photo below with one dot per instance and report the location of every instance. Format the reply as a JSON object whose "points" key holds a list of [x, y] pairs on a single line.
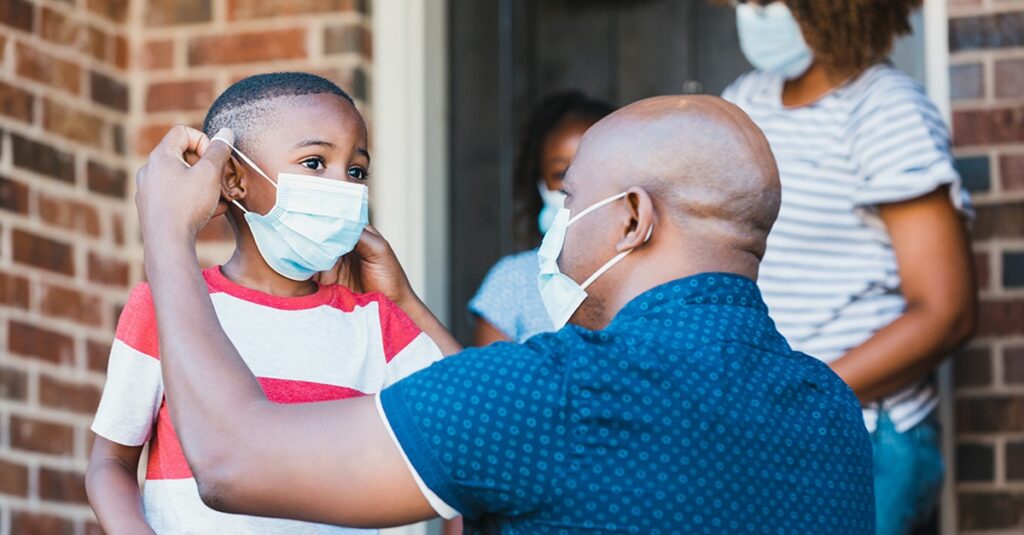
{"points": [[137, 325]]}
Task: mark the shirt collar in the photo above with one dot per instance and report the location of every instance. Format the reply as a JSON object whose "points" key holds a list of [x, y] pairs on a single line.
{"points": [[726, 289]]}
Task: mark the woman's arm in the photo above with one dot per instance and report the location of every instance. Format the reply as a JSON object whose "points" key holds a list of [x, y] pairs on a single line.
{"points": [[486, 333], [933, 253], [112, 483]]}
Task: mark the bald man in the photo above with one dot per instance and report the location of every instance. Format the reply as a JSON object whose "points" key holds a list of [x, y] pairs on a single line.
{"points": [[668, 404]]}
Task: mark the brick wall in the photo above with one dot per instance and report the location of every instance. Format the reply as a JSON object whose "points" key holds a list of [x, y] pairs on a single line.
{"points": [[87, 87], [987, 82]]}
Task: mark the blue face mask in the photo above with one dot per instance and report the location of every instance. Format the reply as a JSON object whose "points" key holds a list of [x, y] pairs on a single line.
{"points": [[771, 39], [560, 294], [314, 222], [553, 201]]}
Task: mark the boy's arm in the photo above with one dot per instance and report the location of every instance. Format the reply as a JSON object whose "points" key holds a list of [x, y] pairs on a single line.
{"points": [[112, 484]]}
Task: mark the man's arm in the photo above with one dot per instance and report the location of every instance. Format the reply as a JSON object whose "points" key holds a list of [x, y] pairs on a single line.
{"points": [[933, 254], [331, 462]]}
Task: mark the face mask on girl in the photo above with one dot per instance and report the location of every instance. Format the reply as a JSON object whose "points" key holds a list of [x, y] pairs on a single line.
{"points": [[314, 222], [771, 39]]}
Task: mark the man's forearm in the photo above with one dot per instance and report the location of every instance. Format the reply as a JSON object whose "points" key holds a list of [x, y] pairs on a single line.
{"points": [[207, 382]]}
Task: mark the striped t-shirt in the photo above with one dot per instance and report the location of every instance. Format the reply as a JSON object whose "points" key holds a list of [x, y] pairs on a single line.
{"points": [[829, 275], [329, 345]]}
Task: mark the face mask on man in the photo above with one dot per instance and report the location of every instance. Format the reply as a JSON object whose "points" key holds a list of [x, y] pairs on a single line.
{"points": [[771, 39], [553, 201], [314, 222], [560, 294]]}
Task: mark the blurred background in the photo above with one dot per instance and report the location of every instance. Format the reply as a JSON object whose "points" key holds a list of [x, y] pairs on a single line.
{"points": [[87, 87]]}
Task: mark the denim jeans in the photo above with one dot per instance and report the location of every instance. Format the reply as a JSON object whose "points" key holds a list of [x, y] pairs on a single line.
{"points": [[908, 474]]}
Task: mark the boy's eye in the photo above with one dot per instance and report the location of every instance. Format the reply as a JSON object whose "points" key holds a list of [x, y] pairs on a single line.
{"points": [[358, 173], [315, 163]]}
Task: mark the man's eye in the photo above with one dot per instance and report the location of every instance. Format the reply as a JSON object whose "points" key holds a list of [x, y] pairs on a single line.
{"points": [[315, 164], [358, 173]]}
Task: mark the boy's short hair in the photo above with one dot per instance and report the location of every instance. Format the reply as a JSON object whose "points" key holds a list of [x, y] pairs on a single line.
{"points": [[241, 108]]}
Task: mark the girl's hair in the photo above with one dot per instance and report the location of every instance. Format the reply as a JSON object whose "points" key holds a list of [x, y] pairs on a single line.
{"points": [[848, 36], [548, 115]]}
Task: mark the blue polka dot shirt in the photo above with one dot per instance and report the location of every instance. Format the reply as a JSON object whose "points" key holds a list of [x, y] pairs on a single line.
{"points": [[689, 413]]}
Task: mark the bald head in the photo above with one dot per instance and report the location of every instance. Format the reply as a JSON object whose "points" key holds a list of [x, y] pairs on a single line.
{"points": [[706, 165]]}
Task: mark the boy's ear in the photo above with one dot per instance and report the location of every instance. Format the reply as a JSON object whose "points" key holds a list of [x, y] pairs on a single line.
{"points": [[232, 187]]}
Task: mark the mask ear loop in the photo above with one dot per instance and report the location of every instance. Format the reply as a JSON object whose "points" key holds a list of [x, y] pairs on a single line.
{"points": [[247, 161]]}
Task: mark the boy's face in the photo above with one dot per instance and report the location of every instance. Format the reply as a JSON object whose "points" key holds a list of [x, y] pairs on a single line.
{"points": [[318, 135]]}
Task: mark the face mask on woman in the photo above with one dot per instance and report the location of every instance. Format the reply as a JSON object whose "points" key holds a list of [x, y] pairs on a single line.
{"points": [[771, 39]]}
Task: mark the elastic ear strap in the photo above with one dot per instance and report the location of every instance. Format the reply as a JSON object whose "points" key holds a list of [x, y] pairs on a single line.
{"points": [[608, 265], [593, 207], [232, 200], [245, 159]]}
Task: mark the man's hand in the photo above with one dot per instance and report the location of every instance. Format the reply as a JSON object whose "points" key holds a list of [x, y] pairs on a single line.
{"points": [[372, 267], [174, 199]]}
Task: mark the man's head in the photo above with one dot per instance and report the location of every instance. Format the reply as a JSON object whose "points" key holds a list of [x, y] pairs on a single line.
{"points": [[701, 179], [289, 122]]}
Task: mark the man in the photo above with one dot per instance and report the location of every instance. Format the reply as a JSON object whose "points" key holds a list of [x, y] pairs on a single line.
{"points": [[670, 405]]}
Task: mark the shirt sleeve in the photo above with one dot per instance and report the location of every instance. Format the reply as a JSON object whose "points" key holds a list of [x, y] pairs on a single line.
{"points": [[902, 147], [134, 391], [484, 430], [407, 349], [495, 299]]}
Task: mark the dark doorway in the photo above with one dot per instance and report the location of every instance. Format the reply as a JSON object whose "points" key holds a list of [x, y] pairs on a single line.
{"points": [[506, 55]]}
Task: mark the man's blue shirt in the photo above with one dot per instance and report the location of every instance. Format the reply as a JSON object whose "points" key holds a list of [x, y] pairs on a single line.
{"points": [[689, 413]]}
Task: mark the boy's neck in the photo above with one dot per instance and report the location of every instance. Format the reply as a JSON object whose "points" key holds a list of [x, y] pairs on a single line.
{"points": [[247, 268]]}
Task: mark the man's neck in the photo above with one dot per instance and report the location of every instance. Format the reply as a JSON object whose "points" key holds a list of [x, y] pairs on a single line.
{"points": [[248, 268]]}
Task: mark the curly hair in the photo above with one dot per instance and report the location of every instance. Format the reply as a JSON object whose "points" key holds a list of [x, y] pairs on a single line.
{"points": [[848, 36]]}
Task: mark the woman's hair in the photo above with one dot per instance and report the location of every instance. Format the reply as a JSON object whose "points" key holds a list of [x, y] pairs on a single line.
{"points": [[848, 36], [546, 117]]}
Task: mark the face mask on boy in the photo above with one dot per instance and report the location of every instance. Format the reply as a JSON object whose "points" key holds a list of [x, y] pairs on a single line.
{"points": [[771, 39], [314, 222]]}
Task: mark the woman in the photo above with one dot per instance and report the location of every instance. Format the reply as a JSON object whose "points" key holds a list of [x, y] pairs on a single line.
{"points": [[507, 305], [868, 266]]}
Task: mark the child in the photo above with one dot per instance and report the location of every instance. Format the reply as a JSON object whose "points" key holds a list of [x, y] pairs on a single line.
{"points": [[300, 160]]}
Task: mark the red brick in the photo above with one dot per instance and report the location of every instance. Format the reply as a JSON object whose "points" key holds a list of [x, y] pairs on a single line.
{"points": [[17, 14], [148, 137], [997, 30], [69, 214], [109, 181], [966, 81], [117, 229], [42, 252], [67, 395], [115, 10], [1009, 78], [191, 95], [55, 27], [1011, 169], [13, 196], [1001, 317], [973, 367], [168, 12], [13, 385], [350, 38], [121, 51], [156, 55], [251, 9], [247, 47], [25, 523], [72, 124], [988, 127], [108, 92], [13, 478], [107, 271], [46, 69], [15, 103], [1013, 364], [97, 354], [991, 510], [31, 341], [999, 221], [61, 486], [14, 290], [71, 304], [990, 414], [982, 269], [44, 437], [42, 158]]}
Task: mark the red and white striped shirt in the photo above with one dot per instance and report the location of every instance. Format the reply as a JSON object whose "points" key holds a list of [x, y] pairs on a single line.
{"points": [[330, 345]]}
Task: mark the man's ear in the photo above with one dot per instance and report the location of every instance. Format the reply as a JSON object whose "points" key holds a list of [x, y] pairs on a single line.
{"points": [[640, 225]]}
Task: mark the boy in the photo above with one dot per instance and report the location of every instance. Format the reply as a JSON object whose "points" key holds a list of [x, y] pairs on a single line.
{"points": [[297, 336]]}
